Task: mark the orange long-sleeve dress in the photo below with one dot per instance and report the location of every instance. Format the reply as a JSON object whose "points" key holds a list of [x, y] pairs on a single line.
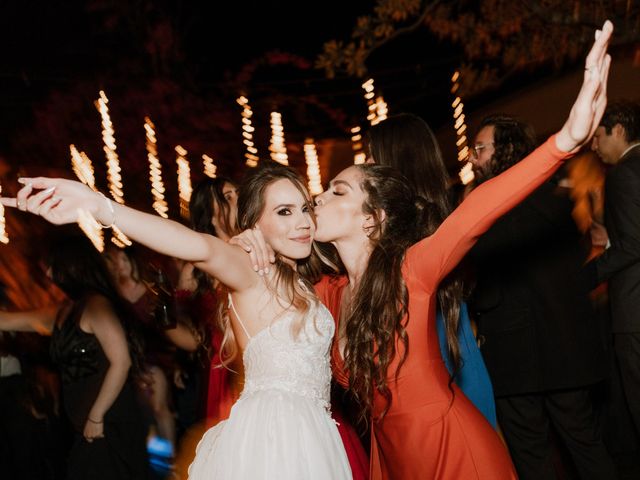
{"points": [[428, 432]]}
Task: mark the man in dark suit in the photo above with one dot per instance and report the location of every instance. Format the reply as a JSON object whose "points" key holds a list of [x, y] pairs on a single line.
{"points": [[542, 343], [617, 142]]}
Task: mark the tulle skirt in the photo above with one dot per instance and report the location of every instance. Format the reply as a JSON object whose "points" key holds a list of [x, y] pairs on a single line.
{"points": [[272, 435]]}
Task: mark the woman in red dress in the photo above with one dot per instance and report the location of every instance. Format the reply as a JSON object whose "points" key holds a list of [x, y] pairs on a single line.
{"points": [[384, 351]]}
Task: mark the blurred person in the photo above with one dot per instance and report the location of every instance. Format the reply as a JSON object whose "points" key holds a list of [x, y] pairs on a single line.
{"points": [[129, 278], [541, 339], [281, 426], [95, 352], [617, 143], [213, 209], [33, 437]]}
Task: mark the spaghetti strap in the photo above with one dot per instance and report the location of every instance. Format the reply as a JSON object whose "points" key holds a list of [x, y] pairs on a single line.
{"points": [[235, 312]]}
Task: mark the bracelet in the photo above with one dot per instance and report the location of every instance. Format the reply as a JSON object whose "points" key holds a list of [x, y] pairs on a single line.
{"points": [[113, 212], [93, 421]]}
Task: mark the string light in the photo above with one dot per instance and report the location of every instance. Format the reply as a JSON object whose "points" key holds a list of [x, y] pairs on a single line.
{"points": [[3, 232], [113, 164], [359, 156], [377, 107], [91, 229], [466, 172], [184, 180], [83, 168], [155, 170], [209, 166], [251, 155], [313, 167], [277, 147]]}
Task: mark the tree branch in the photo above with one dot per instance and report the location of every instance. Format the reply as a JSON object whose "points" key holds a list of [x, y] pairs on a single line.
{"points": [[401, 31]]}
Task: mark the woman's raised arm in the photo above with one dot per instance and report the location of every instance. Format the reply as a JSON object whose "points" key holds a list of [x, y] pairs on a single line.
{"points": [[59, 201], [434, 257]]}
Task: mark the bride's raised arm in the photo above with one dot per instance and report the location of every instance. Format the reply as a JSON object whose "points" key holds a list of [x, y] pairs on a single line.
{"points": [[59, 200]]}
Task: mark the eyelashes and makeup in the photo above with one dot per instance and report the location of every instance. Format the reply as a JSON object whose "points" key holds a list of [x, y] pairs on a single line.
{"points": [[287, 211]]}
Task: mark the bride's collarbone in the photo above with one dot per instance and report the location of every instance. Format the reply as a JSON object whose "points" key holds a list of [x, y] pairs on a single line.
{"points": [[260, 309]]}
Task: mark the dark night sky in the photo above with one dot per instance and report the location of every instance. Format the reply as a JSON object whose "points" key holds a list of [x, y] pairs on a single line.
{"points": [[48, 46]]}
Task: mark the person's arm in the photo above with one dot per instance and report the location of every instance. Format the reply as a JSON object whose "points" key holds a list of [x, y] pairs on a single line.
{"points": [[433, 258], [40, 321], [183, 337], [623, 194], [100, 319], [60, 200]]}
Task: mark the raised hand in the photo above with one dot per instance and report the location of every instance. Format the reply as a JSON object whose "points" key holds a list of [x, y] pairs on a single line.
{"points": [[58, 200], [589, 107]]}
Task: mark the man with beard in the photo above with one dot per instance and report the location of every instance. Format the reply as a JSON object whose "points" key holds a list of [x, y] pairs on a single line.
{"points": [[541, 340]]}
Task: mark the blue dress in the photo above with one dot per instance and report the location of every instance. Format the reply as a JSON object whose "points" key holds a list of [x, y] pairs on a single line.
{"points": [[473, 377]]}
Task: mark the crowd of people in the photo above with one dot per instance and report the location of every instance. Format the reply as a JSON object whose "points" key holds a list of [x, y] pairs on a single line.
{"points": [[384, 329]]}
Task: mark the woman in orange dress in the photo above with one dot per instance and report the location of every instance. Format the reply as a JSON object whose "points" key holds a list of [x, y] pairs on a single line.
{"points": [[385, 352]]}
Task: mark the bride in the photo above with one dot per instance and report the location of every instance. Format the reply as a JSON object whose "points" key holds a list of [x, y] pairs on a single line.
{"points": [[281, 426]]}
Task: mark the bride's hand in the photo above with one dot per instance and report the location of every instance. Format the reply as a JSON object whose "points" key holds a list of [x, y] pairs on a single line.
{"points": [[58, 200], [588, 108]]}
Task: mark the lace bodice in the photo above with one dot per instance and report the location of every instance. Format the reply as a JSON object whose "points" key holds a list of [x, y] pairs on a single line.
{"points": [[275, 360]]}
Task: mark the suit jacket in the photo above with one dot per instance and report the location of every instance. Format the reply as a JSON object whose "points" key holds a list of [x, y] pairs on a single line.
{"points": [[620, 263], [539, 329]]}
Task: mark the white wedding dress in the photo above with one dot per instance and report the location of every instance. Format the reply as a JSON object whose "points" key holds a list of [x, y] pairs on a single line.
{"points": [[280, 427]]}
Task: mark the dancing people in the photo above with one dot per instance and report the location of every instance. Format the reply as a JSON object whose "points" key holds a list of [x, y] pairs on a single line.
{"points": [[94, 353], [386, 347], [281, 426]]}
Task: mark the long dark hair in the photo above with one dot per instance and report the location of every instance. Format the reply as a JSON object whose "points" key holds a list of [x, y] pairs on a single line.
{"points": [[80, 271], [376, 320], [208, 192], [406, 143], [513, 140]]}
